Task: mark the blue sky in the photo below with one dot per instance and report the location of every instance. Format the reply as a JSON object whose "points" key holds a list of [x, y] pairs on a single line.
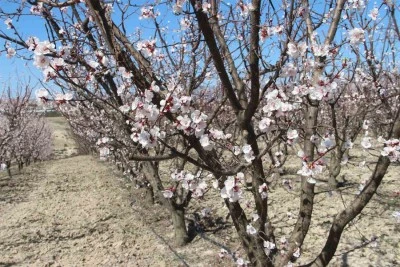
{"points": [[28, 25], [15, 68], [19, 69]]}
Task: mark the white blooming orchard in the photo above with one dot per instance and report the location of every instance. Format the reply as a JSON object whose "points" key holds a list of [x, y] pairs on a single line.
{"points": [[223, 93], [25, 136]]}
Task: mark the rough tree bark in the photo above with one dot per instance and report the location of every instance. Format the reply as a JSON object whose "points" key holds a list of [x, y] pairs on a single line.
{"points": [[177, 210], [355, 208]]}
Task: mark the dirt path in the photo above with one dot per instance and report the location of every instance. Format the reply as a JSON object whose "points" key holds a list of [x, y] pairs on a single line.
{"points": [[70, 212], [76, 211]]}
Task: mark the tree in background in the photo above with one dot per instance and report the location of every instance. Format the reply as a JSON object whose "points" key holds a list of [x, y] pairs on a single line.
{"points": [[25, 136]]}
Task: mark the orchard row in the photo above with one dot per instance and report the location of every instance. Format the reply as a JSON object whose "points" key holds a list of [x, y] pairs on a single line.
{"points": [[192, 98]]}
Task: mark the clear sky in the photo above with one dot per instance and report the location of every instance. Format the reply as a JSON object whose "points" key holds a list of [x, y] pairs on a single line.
{"points": [[15, 68]]}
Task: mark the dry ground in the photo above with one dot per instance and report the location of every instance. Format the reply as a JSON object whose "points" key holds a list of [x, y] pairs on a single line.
{"points": [[64, 145], [77, 211]]}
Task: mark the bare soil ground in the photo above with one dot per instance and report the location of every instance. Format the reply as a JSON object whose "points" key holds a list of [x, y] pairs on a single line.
{"points": [[77, 211]]}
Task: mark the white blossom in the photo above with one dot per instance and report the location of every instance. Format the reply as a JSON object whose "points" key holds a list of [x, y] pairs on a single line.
{"points": [[8, 22], [263, 190], [320, 50], [269, 245], [396, 214], [392, 150], [366, 142], [42, 93], [125, 108], [297, 50], [248, 153], [356, 36], [185, 23], [11, 52], [251, 230], [264, 125], [3, 166], [148, 13], [231, 190], [373, 14], [37, 9], [292, 134], [241, 262], [168, 193], [296, 254], [206, 143]]}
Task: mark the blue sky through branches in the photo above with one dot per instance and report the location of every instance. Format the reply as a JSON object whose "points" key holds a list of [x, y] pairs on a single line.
{"points": [[29, 25]]}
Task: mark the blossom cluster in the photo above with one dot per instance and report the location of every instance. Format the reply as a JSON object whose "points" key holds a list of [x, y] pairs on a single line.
{"points": [[231, 189], [392, 150], [25, 136]]}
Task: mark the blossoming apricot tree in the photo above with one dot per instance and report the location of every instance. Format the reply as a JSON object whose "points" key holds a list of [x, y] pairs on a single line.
{"points": [[25, 136], [226, 90]]}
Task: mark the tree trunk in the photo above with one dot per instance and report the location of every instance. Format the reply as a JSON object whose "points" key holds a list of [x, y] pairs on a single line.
{"points": [[307, 192], [357, 205], [343, 218], [253, 244], [177, 212], [8, 167], [332, 182], [334, 170], [180, 231], [257, 256], [20, 166], [148, 193]]}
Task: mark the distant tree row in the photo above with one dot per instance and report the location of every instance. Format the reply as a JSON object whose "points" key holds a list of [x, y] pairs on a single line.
{"points": [[25, 136]]}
